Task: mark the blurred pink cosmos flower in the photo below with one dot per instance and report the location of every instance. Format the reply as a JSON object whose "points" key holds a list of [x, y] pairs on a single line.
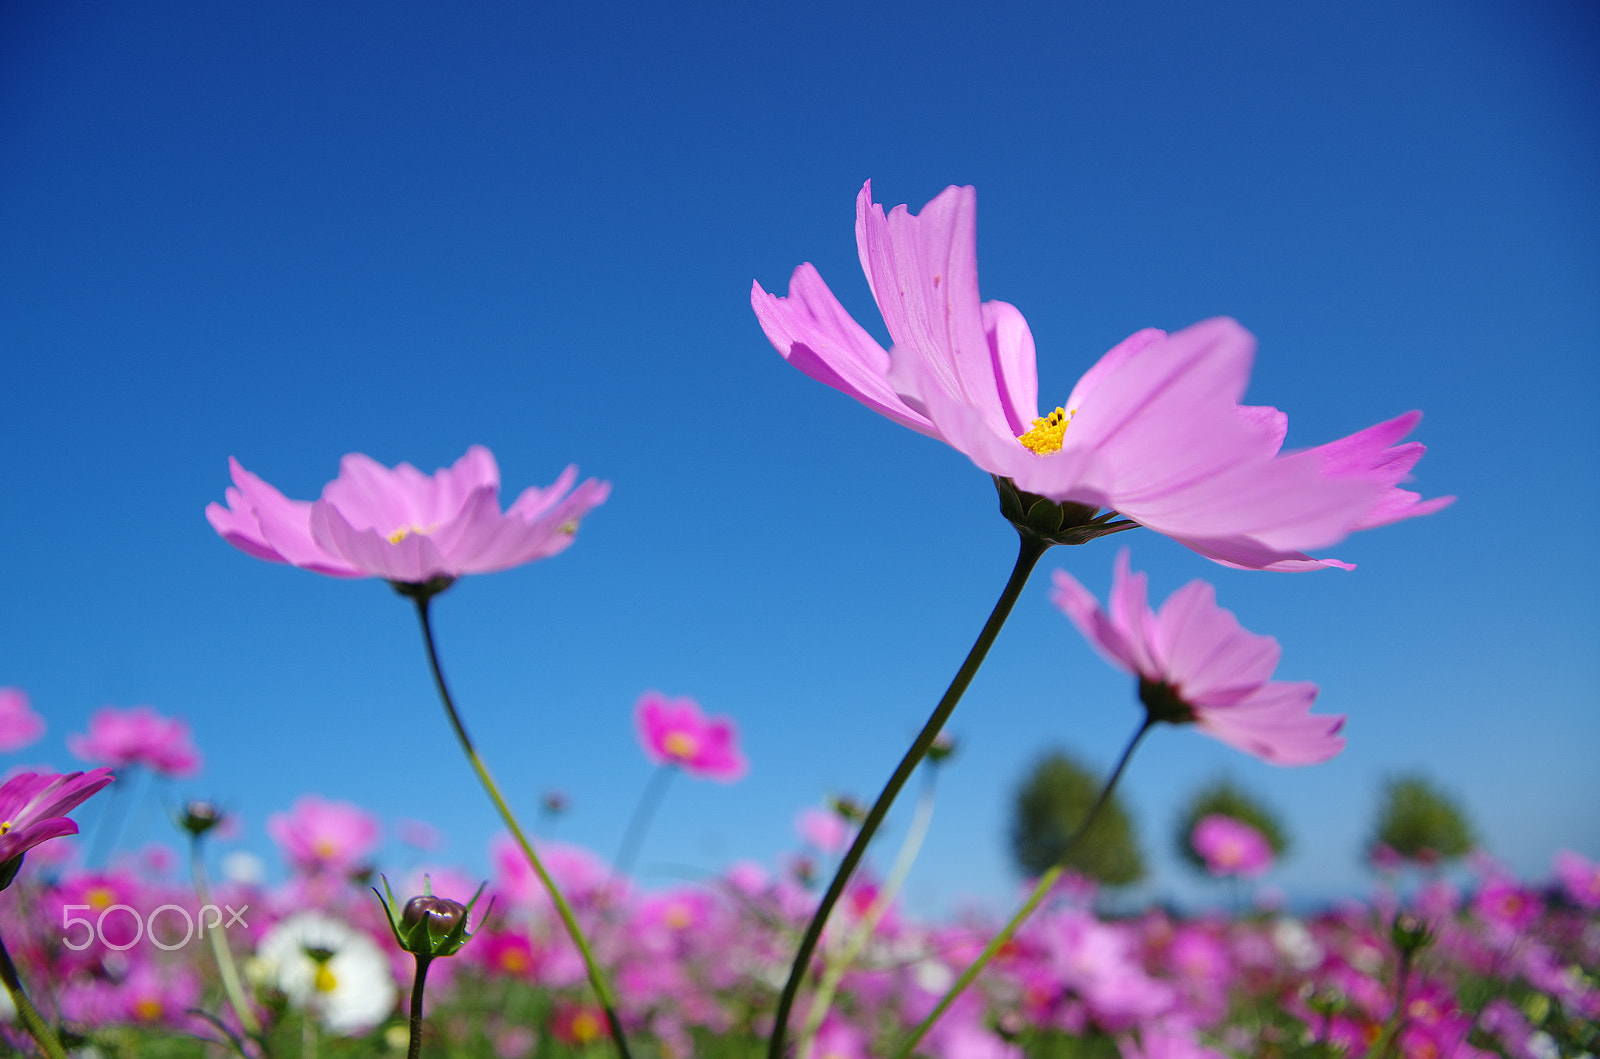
{"points": [[1196, 664], [322, 835], [138, 736], [675, 732], [403, 525], [1231, 847], [33, 807], [824, 829], [1580, 877], [1153, 430], [19, 725]]}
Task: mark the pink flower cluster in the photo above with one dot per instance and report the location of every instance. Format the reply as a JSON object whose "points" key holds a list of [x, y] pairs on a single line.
{"points": [[138, 736], [1151, 985]]}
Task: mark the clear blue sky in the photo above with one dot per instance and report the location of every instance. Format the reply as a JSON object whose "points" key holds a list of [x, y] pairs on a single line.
{"points": [[288, 231]]}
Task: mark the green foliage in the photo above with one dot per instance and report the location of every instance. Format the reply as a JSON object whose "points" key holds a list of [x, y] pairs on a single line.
{"points": [[1051, 804], [1223, 797], [1420, 822]]}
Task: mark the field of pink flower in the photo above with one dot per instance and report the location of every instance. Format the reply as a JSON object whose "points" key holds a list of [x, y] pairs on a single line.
{"points": [[561, 953]]}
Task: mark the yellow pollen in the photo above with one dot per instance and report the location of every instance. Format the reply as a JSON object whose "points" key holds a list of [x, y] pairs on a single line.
{"points": [[324, 848], [148, 1009], [514, 960], [5, 826], [679, 745], [100, 898], [1044, 437], [406, 531], [585, 1027], [569, 528], [325, 981]]}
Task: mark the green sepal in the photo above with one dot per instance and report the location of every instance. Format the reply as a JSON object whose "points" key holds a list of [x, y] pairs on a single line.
{"points": [[8, 870], [1055, 521], [425, 936]]}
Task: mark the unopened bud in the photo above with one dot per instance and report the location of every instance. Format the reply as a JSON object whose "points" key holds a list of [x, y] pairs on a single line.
{"points": [[427, 925], [852, 811], [1410, 934], [199, 817], [943, 746], [442, 914], [554, 803]]}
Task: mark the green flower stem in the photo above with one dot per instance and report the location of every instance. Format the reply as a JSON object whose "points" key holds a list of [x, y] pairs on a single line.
{"points": [[1047, 882], [597, 980], [414, 1049], [32, 1021], [219, 948], [643, 813], [1031, 550], [837, 965]]}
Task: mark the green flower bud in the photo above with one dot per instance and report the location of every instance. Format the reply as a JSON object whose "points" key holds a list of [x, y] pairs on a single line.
{"points": [[199, 817], [427, 925]]}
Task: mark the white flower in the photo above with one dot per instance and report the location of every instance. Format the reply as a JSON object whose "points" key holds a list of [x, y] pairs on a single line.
{"points": [[331, 969]]}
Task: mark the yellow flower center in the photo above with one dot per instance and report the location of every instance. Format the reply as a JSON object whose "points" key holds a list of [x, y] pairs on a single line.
{"points": [[325, 981], [680, 745], [514, 961], [5, 826], [678, 917], [1044, 437], [324, 848], [585, 1027], [148, 1009], [100, 898], [405, 531]]}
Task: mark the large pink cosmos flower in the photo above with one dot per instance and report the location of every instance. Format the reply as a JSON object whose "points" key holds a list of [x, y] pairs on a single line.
{"points": [[403, 525], [33, 807], [19, 725], [675, 732], [1195, 663], [322, 835], [138, 736], [1231, 847], [1154, 430]]}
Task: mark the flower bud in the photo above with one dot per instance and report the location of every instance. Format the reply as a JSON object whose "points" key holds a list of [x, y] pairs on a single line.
{"points": [[199, 817], [428, 926], [1410, 934], [942, 747], [850, 810]]}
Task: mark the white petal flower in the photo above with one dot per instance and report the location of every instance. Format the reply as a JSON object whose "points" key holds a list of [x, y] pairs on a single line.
{"points": [[331, 969]]}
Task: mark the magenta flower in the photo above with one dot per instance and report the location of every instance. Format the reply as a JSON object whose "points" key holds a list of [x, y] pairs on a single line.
{"points": [[33, 807], [403, 525], [19, 725], [1231, 847], [1196, 664], [138, 736], [675, 732], [317, 834], [1580, 878], [1153, 431]]}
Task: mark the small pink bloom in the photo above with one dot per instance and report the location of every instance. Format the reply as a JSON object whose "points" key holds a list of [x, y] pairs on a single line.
{"points": [[138, 736], [403, 525], [1231, 847], [1580, 877], [824, 829], [1193, 657], [1501, 903], [675, 732], [19, 725], [1154, 430], [321, 835], [33, 807]]}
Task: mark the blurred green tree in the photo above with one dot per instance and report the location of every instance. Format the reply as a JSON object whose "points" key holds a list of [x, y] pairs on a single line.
{"points": [[1051, 804], [1420, 823]]}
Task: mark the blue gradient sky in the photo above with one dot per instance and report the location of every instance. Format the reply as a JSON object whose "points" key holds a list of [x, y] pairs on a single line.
{"points": [[285, 232]]}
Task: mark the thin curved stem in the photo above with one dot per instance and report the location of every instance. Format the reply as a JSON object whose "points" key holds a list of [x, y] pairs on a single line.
{"points": [[1047, 882], [840, 963], [219, 949], [639, 824], [1028, 555], [414, 1049], [27, 1014], [597, 980]]}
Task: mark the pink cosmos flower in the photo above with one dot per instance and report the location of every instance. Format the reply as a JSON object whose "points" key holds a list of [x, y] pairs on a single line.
{"points": [[1195, 663], [675, 732], [1231, 847], [1580, 877], [1154, 430], [138, 736], [403, 525], [19, 725], [824, 829], [317, 834], [33, 807]]}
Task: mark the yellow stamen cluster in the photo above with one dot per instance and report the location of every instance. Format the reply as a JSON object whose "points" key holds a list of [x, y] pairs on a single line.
{"points": [[1045, 436], [324, 981], [680, 745], [5, 826], [405, 531]]}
